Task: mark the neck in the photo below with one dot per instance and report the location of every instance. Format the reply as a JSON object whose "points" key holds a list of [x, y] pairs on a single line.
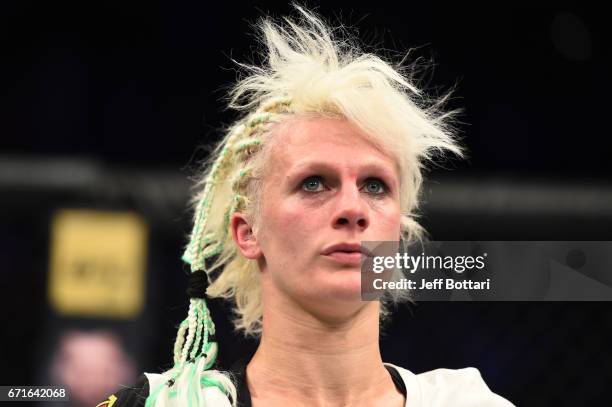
{"points": [[301, 357]]}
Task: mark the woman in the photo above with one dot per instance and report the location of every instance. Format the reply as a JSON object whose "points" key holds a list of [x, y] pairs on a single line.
{"points": [[328, 154]]}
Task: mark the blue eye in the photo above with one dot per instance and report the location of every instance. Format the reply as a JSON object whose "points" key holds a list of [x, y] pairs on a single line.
{"points": [[375, 186], [312, 184]]}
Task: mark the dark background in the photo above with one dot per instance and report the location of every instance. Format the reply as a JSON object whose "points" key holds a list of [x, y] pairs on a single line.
{"points": [[108, 106]]}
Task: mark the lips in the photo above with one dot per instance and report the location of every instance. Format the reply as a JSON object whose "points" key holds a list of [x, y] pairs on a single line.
{"points": [[348, 253]]}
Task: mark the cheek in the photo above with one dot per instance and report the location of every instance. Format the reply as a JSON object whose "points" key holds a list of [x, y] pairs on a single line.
{"points": [[389, 222], [287, 228]]}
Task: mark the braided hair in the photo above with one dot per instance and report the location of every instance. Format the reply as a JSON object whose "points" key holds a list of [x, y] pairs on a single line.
{"points": [[307, 72]]}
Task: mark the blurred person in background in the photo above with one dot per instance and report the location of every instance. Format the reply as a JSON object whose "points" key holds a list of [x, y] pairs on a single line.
{"points": [[91, 364]]}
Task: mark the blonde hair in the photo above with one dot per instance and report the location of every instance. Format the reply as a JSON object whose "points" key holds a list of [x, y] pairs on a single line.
{"points": [[310, 70]]}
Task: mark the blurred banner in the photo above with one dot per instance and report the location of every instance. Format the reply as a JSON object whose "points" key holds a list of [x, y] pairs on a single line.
{"points": [[97, 263]]}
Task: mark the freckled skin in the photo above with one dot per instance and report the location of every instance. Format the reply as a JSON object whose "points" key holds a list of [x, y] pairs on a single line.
{"points": [[353, 197]]}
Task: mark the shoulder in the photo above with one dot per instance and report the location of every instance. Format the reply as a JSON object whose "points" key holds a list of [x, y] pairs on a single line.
{"points": [[445, 387], [136, 395]]}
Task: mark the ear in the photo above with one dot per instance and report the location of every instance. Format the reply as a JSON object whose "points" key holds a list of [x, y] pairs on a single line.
{"points": [[244, 237]]}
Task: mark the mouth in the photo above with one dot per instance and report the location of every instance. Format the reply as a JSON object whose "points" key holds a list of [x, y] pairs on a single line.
{"points": [[347, 253]]}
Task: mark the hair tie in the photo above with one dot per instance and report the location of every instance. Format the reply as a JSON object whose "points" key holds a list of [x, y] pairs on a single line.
{"points": [[198, 283]]}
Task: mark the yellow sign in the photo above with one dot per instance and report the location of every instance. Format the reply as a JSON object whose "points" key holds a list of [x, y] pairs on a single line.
{"points": [[97, 263]]}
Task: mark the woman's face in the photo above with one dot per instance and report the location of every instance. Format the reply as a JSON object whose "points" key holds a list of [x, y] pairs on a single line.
{"points": [[325, 185]]}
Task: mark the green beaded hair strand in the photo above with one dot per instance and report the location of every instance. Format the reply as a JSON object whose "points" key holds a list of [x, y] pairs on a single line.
{"points": [[194, 351]]}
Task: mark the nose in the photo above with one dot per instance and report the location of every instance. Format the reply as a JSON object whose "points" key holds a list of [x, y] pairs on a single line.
{"points": [[351, 211]]}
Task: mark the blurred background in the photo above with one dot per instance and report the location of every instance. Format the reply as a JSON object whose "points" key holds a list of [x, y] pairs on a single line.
{"points": [[107, 109]]}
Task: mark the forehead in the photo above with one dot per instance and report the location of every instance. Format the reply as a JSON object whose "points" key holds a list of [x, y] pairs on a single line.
{"points": [[301, 140]]}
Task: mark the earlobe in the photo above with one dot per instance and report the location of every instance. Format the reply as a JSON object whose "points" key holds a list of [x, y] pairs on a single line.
{"points": [[244, 237]]}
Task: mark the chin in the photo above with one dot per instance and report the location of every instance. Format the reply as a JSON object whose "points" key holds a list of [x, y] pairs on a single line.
{"points": [[343, 297], [339, 311], [333, 295], [342, 286]]}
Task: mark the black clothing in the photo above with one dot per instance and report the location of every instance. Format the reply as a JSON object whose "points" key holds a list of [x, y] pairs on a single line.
{"points": [[134, 396]]}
